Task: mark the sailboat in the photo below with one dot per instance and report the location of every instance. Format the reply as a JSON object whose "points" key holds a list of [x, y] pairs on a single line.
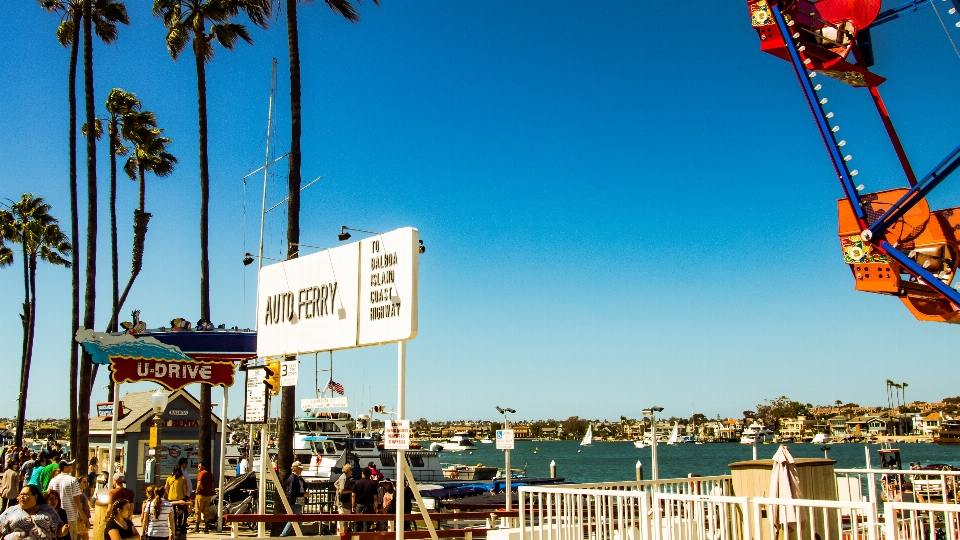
{"points": [[645, 441], [588, 438], [675, 436]]}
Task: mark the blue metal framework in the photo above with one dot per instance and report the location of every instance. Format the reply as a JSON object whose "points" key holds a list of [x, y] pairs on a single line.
{"points": [[816, 106], [905, 8], [916, 193]]}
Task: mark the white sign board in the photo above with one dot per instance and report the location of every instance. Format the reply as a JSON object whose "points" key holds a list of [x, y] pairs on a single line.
{"points": [[362, 293], [288, 373], [255, 405], [396, 435], [323, 403], [504, 439]]}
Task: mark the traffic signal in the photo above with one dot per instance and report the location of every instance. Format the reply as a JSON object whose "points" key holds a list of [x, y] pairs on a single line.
{"points": [[272, 376]]}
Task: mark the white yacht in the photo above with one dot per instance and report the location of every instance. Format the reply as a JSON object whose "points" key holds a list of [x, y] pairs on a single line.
{"points": [[458, 443], [756, 433]]}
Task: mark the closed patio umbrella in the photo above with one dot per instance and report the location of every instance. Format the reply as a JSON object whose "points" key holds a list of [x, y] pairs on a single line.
{"points": [[784, 484]]}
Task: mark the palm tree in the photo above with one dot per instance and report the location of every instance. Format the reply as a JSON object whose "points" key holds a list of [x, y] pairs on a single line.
{"points": [[104, 15], [30, 224], [186, 20], [345, 9], [889, 398], [68, 34], [903, 387]]}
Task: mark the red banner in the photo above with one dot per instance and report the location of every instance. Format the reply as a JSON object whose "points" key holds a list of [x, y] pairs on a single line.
{"points": [[172, 374]]}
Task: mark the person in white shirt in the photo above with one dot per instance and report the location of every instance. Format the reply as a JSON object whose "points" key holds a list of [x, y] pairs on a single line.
{"points": [[244, 465], [183, 467]]}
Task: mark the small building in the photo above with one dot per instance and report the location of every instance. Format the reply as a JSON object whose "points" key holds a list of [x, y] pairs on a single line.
{"points": [[179, 438], [931, 424], [838, 425], [522, 431]]}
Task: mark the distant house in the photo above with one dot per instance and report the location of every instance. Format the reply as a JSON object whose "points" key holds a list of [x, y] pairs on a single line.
{"points": [[880, 425], [521, 431], [858, 426], [838, 425], [931, 424], [795, 428], [549, 433], [731, 430]]}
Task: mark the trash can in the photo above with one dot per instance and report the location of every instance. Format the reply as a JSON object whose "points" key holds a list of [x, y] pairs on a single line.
{"points": [[100, 514]]}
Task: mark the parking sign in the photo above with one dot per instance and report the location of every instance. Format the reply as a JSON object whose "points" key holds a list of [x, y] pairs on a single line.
{"points": [[504, 439]]}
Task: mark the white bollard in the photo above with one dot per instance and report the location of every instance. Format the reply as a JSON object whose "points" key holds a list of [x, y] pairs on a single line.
{"points": [[553, 469], [639, 471]]}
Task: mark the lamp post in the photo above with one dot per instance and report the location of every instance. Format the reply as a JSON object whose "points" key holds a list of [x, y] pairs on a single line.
{"points": [[158, 400], [506, 453], [651, 413]]}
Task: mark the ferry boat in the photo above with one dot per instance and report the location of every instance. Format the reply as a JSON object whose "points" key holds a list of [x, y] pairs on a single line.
{"points": [[756, 433], [949, 432]]}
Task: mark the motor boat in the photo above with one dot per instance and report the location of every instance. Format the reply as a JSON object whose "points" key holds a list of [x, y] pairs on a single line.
{"points": [[757, 433], [458, 443]]}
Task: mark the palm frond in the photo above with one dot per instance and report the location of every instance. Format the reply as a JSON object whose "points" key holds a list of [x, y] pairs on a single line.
{"points": [[130, 167], [226, 34], [177, 39], [6, 256], [97, 128], [345, 9], [106, 15], [258, 11], [65, 32]]}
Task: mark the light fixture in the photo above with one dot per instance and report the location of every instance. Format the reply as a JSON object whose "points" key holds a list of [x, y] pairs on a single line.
{"points": [[247, 259], [344, 235], [159, 401], [422, 248]]}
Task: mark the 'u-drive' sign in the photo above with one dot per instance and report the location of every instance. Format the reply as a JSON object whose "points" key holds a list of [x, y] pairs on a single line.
{"points": [[358, 294]]}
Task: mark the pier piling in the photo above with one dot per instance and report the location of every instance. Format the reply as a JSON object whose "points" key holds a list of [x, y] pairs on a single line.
{"points": [[639, 471], [553, 469]]}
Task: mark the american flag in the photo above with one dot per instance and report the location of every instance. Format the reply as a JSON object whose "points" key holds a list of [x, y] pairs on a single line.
{"points": [[335, 386]]}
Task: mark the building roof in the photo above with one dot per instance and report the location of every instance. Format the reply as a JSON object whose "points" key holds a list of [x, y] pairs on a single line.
{"points": [[932, 416], [137, 406]]}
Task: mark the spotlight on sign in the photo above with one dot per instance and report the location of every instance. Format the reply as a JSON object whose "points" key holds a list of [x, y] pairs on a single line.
{"points": [[247, 259], [344, 235], [422, 247]]}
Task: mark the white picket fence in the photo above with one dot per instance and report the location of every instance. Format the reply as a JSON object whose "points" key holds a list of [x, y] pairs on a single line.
{"points": [[703, 509]]}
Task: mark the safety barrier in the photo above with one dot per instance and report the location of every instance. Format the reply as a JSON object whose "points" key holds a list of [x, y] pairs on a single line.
{"points": [[555, 513], [911, 485], [918, 521]]}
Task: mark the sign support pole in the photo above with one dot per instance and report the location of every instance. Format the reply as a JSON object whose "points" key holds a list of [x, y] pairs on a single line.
{"points": [[113, 434], [262, 479], [401, 455], [509, 472], [223, 454]]}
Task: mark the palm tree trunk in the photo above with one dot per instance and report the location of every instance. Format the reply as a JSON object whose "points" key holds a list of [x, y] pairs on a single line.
{"points": [[90, 294], [287, 398], [199, 39], [74, 233], [24, 371], [31, 325], [114, 256]]}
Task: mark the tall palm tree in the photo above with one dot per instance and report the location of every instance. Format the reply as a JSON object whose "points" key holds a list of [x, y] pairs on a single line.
{"points": [[29, 224], [68, 35], [104, 16], [903, 387], [889, 399], [345, 9], [187, 20]]}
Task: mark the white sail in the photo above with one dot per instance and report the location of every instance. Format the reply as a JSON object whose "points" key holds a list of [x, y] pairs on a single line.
{"points": [[819, 438], [675, 436], [588, 438]]}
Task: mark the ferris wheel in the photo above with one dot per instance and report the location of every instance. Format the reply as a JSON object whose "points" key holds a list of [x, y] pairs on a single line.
{"points": [[892, 241]]}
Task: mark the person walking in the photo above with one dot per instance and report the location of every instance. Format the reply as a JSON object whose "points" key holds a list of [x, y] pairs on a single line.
{"points": [[31, 518], [9, 485], [92, 474], [374, 473], [119, 523], [83, 525], [344, 488], [296, 491], [67, 487], [53, 499], [47, 473], [176, 489], [201, 507], [26, 469], [366, 498], [119, 490], [183, 463], [38, 465], [156, 520]]}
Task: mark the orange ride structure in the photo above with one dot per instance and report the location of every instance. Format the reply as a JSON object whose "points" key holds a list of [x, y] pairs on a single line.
{"points": [[891, 240]]}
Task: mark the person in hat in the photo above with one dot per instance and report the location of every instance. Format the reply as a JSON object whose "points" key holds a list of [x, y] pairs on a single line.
{"points": [[68, 489], [344, 487], [120, 490], [296, 491], [388, 503]]}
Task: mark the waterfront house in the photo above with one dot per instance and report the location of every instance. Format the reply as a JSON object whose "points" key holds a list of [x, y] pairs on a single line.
{"points": [[880, 425], [858, 426], [931, 424], [521, 431], [795, 428], [548, 433]]}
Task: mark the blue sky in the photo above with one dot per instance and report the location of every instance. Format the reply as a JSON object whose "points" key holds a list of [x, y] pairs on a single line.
{"points": [[623, 205]]}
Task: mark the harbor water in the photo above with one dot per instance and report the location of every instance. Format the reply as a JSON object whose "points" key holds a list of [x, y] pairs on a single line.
{"points": [[616, 461]]}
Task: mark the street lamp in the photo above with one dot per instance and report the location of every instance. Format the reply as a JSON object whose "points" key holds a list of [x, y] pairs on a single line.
{"points": [[651, 413], [506, 452], [158, 400]]}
